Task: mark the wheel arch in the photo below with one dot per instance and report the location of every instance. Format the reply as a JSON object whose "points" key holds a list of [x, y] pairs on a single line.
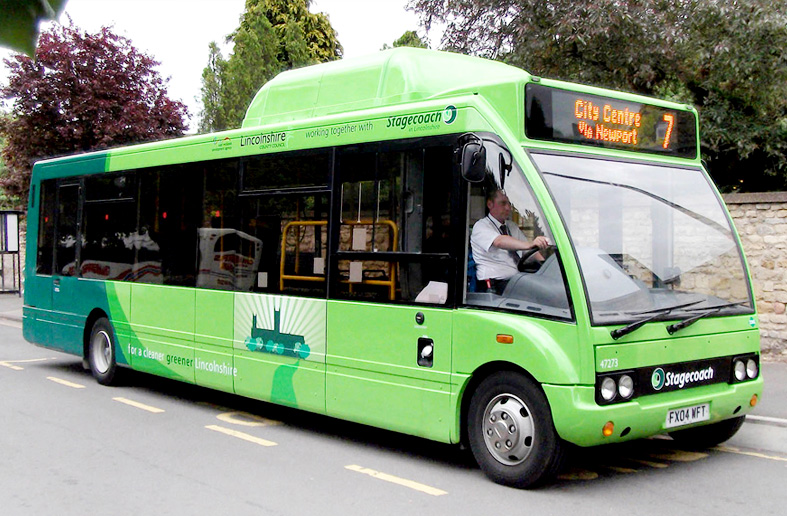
{"points": [[479, 375], [93, 316]]}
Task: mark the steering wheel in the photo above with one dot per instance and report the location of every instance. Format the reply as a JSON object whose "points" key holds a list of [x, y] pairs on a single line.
{"points": [[532, 266]]}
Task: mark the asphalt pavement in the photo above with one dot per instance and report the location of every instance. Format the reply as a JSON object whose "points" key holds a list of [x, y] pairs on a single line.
{"points": [[773, 404]]}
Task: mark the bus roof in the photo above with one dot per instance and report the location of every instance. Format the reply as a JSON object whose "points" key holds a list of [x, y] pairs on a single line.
{"points": [[385, 78]]}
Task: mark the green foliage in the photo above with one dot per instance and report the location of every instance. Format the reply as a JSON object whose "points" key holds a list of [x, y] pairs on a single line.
{"points": [[409, 39], [273, 36], [20, 18], [725, 57]]}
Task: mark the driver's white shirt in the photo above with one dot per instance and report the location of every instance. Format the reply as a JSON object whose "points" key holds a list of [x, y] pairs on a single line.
{"points": [[493, 262]]}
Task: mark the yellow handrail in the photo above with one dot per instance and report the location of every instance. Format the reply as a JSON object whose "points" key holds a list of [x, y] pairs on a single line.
{"points": [[390, 283]]}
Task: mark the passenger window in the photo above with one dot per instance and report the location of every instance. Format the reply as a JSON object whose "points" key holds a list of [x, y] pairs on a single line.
{"points": [[110, 240], [46, 228], [393, 235]]}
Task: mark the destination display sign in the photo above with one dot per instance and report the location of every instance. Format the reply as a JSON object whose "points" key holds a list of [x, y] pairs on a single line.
{"points": [[571, 117]]}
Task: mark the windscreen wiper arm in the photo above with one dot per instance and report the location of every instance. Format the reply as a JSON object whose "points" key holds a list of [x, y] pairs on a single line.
{"points": [[618, 333], [672, 328]]}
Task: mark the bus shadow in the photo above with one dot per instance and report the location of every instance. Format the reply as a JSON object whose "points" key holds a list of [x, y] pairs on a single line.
{"points": [[610, 462], [294, 419]]}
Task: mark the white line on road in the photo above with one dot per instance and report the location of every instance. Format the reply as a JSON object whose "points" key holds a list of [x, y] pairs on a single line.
{"points": [[765, 420], [139, 405], [397, 480], [240, 435]]}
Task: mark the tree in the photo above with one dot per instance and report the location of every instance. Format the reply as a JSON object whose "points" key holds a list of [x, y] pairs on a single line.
{"points": [[273, 36], [726, 58], [82, 92], [19, 29], [409, 39]]}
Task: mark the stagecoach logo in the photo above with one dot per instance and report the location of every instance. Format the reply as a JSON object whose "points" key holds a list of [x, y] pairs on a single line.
{"points": [[449, 114], [423, 121], [682, 379], [657, 380]]}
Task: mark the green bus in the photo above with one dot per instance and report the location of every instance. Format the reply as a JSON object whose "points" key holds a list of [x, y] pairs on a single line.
{"points": [[323, 256]]}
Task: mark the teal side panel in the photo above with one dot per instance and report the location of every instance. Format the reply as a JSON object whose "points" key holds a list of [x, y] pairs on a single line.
{"points": [[43, 324], [279, 349]]}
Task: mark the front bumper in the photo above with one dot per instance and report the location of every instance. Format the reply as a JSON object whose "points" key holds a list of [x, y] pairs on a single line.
{"points": [[579, 419]]}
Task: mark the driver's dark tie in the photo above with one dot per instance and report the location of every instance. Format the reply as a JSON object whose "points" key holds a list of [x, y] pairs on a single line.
{"points": [[514, 255]]}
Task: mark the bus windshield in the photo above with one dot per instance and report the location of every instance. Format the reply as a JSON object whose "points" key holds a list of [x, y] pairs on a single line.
{"points": [[648, 238]]}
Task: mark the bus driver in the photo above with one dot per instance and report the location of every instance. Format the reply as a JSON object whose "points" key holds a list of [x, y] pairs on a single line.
{"points": [[496, 243]]}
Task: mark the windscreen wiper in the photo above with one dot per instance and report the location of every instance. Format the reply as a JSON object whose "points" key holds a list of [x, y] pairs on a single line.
{"points": [[672, 328], [618, 333]]}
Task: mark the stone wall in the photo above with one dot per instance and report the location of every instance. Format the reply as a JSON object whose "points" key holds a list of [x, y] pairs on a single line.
{"points": [[761, 219]]}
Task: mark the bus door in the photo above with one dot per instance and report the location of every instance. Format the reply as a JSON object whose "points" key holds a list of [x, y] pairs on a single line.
{"points": [[68, 325], [392, 278]]}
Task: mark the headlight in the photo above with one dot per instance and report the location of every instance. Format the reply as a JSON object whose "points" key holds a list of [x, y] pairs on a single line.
{"points": [[625, 386], [740, 370], [608, 389], [751, 368]]}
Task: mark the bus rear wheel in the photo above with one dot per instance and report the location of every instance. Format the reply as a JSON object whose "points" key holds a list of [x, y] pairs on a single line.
{"points": [[708, 436], [101, 352], [510, 431]]}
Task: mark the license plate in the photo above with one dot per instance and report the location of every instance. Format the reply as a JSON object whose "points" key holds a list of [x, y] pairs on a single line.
{"points": [[688, 415]]}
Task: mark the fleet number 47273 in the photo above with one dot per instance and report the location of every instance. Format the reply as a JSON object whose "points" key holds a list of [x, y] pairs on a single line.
{"points": [[609, 363]]}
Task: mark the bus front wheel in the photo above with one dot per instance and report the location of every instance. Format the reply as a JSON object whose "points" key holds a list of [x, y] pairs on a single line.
{"points": [[101, 352], [510, 431]]}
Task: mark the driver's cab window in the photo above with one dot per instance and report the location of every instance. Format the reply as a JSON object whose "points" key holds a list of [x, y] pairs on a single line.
{"points": [[512, 260]]}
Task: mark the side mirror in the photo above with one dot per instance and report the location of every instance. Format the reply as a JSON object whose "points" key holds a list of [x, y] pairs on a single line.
{"points": [[473, 162]]}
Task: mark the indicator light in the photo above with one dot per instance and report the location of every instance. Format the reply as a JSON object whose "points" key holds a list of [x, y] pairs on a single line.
{"points": [[609, 429], [753, 401], [505, 339]]}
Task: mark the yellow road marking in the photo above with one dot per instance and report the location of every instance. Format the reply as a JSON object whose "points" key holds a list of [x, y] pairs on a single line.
{"points": [[578, 474], [679, 455], [65, 382], [139, 405], [731, 449], [240, 435], [620, 469], [9, 363], [245, 419], [396, 480], [652, 464]]}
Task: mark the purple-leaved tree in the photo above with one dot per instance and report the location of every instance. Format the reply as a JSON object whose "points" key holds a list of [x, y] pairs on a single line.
{"points": [[82, 92]]}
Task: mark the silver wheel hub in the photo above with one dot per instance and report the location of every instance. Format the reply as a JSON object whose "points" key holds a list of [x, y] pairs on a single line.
{"points": [[508, 429], [101, 351]]}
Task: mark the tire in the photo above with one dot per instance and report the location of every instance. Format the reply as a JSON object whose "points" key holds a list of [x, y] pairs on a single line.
{"points": [[101, 352], [708, 436], [511, 433]]}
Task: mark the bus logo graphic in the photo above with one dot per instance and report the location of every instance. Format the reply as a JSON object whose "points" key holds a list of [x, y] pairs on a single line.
{"points": [[657, 380], [275, 342], [449, 114]]}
